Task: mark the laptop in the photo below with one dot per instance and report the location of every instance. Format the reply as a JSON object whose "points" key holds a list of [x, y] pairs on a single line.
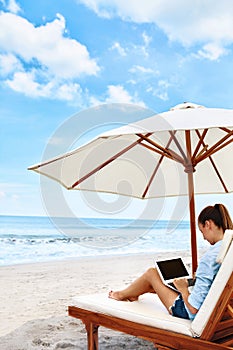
{"points": [[173, 268]]}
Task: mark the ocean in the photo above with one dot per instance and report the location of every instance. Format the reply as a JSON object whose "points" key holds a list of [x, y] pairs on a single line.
{"points": [[27, 239]]}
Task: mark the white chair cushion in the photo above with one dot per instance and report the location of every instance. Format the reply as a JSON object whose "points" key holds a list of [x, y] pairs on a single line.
{"points": [[226, 242], [148, 310], [215, 291]]}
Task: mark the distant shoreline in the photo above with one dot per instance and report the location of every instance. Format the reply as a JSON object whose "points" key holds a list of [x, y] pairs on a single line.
{"points": [[96, 258]]}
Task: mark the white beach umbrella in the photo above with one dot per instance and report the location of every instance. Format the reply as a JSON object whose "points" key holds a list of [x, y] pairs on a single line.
{"points": [[185, 151]]}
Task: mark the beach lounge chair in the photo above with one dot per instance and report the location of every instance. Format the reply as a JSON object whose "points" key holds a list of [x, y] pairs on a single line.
{"points": [[147, 318]]}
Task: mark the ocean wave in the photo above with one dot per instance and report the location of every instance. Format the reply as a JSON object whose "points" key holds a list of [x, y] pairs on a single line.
{"points": [[27, 239]]}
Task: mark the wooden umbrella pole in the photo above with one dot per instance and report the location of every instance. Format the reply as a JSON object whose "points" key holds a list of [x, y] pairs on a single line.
{"points": [[192, 223], [189, 168]]}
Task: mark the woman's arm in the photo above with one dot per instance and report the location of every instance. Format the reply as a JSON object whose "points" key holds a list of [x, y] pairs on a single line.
{"points": [[182, 286]]}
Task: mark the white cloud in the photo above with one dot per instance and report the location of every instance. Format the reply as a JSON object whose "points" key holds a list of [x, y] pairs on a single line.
{"points": [[161, 90], [26, 83], [8, 64], [116, 94], [39, 59], [117, 46], [68, 91], [141, 69], [141, 73], [147, 39], [209, 22], [10, 5], [47, 44], [13, 6], [211, 51]]}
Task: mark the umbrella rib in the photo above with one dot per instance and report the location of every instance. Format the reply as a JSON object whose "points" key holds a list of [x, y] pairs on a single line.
{"points": [[215, 148], [225, 129], [201, 139], [37, 166], [99, 167], [145, 138], [218, 174], [155, 170], [166, 152], [172, 133], [213, 164]]}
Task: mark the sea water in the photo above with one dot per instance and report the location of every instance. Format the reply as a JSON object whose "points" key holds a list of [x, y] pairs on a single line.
{"points": [[25, 239]]}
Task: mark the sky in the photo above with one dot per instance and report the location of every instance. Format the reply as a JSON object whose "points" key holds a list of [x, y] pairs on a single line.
{"points": [[59, 58]]}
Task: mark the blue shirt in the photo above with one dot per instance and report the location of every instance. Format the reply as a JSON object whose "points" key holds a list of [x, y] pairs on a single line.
{"points": [[205, 274]]}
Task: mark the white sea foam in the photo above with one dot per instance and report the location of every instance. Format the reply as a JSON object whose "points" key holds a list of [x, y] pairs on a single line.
{"points": [[28, 239]]}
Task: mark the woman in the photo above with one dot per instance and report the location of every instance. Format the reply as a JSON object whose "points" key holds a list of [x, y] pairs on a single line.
{"points": [[212, 222]]}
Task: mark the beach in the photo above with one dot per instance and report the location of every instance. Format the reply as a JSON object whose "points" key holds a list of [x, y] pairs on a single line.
{"points": [[34, 300]]}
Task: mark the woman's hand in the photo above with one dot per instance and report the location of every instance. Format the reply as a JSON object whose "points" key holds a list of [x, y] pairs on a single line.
{"points": [[181, 284]]}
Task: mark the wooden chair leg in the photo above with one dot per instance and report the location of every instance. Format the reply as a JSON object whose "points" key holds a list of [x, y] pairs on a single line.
{"points": [[161, 347], [92, 335]]}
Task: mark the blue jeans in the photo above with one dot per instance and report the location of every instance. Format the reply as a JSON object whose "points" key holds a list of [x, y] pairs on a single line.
{"points": [[178, 308]]}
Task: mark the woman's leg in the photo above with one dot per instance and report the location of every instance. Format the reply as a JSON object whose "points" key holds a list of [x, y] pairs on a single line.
{"points": [[149, 282]]}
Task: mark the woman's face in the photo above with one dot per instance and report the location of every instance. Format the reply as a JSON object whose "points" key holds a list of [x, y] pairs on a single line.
{"points": [[207, 231]]}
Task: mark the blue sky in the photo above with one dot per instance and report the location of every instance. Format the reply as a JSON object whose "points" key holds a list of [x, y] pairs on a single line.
{"points": [[58, 58]]}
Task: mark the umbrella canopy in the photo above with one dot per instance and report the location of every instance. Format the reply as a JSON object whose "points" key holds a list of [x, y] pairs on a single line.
{"points": [[183, 151]]}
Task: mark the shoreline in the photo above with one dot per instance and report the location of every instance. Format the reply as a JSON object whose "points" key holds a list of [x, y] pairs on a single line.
{"points": [[39, 293], [171, 253]]}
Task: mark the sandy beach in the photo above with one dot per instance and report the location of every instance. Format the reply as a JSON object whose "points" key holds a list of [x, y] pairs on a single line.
{"points": [[34, 300]]}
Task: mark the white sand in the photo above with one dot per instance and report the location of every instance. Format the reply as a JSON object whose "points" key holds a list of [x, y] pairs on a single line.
{"points": [[34, 300]]}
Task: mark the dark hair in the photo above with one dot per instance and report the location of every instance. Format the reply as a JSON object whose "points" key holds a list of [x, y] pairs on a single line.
{"points": [[218, 214]]}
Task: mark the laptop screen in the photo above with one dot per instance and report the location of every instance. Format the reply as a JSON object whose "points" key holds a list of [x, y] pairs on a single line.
{"points": [[173, 268]]}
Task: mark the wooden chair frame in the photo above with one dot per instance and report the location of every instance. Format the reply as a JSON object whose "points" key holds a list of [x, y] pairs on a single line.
{"points": [[217, 335]]}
